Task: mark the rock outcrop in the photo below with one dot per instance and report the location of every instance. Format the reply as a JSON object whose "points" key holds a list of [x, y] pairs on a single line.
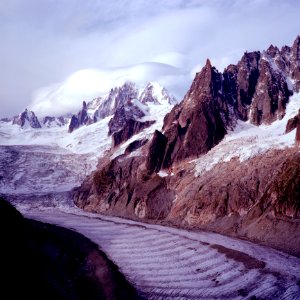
{"points": [[126, 121], [135, 145], [116, 98], [131, 128], [262, 205], [199, 122], [49, 121], [297, 138], [293, 123], [82, 118], [27, 119]]}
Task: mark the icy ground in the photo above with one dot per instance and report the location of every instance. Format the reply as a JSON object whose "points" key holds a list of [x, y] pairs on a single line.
{"points": [[169, 263], [47, 160]]}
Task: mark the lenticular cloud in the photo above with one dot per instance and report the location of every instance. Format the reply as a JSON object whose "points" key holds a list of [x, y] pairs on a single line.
{"points": [[87, 84]]}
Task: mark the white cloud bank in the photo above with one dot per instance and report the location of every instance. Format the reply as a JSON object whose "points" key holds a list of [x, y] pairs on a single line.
{"points": [[59, 99], [163, 40]]}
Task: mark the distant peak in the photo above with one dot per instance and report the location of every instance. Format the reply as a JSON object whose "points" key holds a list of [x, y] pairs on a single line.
{"points": [[272, 50], [208, 64]]}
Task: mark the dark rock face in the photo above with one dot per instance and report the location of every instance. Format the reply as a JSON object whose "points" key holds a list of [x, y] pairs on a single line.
{"points": [[271, 94], [131, 128], [256, 89], [50, 121], [156, 152], [199, 122], [74, 124], [82, 118], [124, 124], [117, 98], [125, 186], [293, 123], [27, 117], [82, 115], [123, 114], [295, 63], [297, 139], [266, 196], [135, 145], [247, 77]]}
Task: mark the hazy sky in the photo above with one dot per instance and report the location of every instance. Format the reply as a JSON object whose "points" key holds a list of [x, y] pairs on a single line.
{"points": [[43, 42]]}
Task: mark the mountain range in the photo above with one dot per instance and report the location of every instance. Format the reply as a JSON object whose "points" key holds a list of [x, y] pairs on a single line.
{"points": [[224, 159]]}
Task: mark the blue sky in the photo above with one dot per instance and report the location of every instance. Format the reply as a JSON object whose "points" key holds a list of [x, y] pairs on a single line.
{"points": [[44, 42]]}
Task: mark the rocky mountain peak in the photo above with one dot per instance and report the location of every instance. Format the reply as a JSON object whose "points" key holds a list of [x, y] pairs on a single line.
{"points": [[122, 98], [204, 80], [296, 48], [295, 63], [256, 89], [27, 119], [272, 51], [155, 93], [82, 118]]}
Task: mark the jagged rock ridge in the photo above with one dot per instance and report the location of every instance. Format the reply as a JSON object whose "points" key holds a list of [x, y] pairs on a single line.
{"points": [[122, 101], [27, 118]]}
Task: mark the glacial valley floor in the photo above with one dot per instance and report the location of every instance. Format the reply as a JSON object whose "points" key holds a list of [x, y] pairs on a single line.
{"points": [[168, 263]]}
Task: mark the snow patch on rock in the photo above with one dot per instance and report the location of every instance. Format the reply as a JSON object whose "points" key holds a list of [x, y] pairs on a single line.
{"points": [[248, 140]]}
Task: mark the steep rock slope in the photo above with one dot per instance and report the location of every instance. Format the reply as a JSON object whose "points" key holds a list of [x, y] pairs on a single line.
{"points": [[187, 174]]}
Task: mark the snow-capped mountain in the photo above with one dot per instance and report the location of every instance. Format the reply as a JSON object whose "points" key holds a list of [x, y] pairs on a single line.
{"points": [[100, 107], [119, 97], [41, 156]]}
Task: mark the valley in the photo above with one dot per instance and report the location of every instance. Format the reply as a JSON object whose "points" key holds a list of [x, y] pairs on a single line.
{"points": [[169, 263], [197, 199]]}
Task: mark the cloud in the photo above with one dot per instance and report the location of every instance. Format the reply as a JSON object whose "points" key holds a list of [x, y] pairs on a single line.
{"points": [[60, 99], [46, 41]]}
